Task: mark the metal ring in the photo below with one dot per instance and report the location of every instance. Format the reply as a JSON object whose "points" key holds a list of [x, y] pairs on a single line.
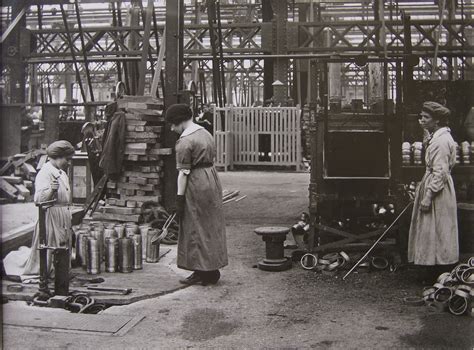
{"points": [[471, 261], [468, 276], [380, 263], [304, 259], [458, 305], [345, 256], [443, 294]]}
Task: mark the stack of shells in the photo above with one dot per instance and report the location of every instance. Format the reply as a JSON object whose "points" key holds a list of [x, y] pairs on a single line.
{"points": [[418, 153], [406, 153], [119, 245], [413, 153]]}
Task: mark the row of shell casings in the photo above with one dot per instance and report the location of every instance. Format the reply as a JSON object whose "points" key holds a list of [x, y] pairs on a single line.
{"points": [[414, 153], [122, 248]]}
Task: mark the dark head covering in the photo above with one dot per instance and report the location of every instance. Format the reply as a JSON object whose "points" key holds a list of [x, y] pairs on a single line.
{"points": [[178, 113], [59, 149], [436, 111]]}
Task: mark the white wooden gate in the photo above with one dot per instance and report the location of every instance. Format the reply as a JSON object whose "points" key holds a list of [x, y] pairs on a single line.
{"points": [[257, 136]]}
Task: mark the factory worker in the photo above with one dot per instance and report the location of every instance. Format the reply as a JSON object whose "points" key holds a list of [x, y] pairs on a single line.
{"points": [[52, 182], [433, 239], [201, 240]]}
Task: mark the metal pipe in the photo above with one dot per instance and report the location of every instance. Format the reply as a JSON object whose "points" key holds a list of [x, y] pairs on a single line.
{"points": [[377, 241]]}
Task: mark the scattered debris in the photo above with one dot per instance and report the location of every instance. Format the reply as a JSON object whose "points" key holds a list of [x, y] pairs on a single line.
{"points": [[17, 175], [453, 291]]}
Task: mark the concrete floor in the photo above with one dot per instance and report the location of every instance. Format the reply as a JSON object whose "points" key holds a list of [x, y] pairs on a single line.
{"points": [[250, 308], [15, 215]]}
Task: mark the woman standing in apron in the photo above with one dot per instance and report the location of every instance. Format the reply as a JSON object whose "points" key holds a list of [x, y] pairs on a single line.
{"points": [[52, 182], [433, 239], [202, 241]]}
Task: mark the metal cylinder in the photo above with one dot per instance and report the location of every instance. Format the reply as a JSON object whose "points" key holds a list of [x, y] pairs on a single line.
{"points": [[120, 230], [125, 255], [109, 225], [93, 252], [83, 249], [131, 229], [99, 236], [111, 254], [109, 233], [137, 252], [78, 246], [152, 250], [144, 233]]}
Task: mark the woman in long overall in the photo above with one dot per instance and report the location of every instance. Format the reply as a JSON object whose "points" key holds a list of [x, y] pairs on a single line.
{"points": [[202, 241], [433, 239], [52, 182]]}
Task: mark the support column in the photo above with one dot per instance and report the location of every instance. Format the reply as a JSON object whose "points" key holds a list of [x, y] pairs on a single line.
{"points": [[15, 61], [267, 16], [280, 46], [173, 86]]}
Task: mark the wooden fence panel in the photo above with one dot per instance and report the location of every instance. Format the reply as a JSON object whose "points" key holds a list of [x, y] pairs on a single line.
{"points": [[245, 129]]}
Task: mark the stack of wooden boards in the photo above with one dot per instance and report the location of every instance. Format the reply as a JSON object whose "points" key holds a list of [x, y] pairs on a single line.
{"points": [[141, 176], [17, 175]]}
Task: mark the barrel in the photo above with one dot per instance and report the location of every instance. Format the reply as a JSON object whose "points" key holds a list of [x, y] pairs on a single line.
{"points": [[137, 252], [125, 255], [152, 250], [93, 252], [111, 254]]}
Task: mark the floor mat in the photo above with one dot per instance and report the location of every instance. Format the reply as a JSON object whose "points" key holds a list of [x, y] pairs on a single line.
{"points": [[58, 320]]}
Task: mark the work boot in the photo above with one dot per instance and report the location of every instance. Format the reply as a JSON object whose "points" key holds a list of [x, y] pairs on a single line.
{"points": [[194, 278], [211, 277]]}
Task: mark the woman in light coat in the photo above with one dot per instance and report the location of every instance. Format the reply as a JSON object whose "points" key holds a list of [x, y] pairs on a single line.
{"points": [[433, 239], [52, 182]]}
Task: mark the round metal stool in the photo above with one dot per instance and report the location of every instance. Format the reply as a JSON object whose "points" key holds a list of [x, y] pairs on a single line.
{"points": [[274, 250]]}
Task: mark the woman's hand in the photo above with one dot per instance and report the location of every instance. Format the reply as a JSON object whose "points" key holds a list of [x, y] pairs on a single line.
{"points": [[54, 185], [425, 204]]}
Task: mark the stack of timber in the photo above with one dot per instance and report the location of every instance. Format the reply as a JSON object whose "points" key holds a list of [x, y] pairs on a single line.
{"points": [[18, 173], [141, 177]]}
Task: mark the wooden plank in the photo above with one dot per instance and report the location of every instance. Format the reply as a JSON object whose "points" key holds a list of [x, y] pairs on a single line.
{"points": [[115, 217], [22, 190], [28, 169], [13, 180], [8, 189]]}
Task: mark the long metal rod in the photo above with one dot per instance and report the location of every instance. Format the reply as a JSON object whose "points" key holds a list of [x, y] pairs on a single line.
{"points": [[158, 67], [377, 241], [84, 53], [13, 24], [73, 55]]}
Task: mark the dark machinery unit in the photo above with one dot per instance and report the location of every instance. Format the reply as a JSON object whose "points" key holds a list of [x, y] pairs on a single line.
{"points": [[356, 160]]}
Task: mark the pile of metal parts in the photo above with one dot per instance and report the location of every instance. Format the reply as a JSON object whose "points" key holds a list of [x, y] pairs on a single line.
{"points": [[331, 263], [120, 247], [78, 302], [231, 196], [453, 291]]}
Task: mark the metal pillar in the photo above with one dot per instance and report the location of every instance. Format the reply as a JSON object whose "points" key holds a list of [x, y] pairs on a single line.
{"points": [[280, 47], [15, 62], [173, 86], [267, 16]]}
